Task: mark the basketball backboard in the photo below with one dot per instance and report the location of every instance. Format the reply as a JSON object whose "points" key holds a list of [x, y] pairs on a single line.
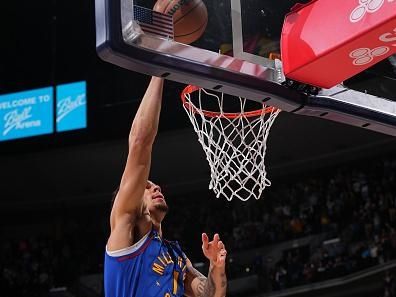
{"points": [[239, 54]]}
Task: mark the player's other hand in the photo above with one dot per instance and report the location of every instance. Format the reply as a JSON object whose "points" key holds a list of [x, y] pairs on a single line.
{"points": [[214, 250]]}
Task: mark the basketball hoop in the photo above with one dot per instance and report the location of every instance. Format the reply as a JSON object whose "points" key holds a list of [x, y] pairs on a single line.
{"points": [[234, 142]]}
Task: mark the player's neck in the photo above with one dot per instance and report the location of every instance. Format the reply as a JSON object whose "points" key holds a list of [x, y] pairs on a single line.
{"points": [[155, 220], [157, 227]]}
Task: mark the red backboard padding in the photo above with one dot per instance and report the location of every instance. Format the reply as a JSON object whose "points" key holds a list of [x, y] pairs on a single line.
{"points": [[327, 41]]}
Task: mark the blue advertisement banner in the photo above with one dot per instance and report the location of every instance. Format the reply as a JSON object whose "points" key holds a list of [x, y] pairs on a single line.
{"points": [[71, 106], [26, 114]]}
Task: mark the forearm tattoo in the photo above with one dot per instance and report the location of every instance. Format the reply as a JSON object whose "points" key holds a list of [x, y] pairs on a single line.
{"points": [[206, 286], [223, 280]]}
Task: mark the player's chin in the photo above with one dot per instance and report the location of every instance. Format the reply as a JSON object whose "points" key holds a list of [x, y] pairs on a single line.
{"points": [[162, 207]]}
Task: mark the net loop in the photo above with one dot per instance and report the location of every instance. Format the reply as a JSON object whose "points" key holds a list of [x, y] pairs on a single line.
{"points": [[234, 143]]}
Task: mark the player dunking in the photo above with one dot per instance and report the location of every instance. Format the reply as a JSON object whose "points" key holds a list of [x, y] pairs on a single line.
{"points": [[138, 261]]}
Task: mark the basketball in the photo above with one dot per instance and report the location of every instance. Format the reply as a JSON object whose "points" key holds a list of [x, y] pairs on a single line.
{"points": [[190, 18]]}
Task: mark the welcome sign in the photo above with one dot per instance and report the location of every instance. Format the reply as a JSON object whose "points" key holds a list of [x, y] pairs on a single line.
{"points": [[71, 106], [27, 113]]}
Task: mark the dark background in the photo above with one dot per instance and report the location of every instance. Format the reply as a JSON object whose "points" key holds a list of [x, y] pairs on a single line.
{"points": [[48, 179], [53, 42]]}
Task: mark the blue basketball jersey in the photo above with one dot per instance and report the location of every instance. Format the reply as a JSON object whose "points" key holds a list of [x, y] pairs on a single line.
{"points": [[153, 267]]}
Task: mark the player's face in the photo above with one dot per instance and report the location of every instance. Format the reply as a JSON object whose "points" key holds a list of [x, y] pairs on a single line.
{"points": [[155, 199]]}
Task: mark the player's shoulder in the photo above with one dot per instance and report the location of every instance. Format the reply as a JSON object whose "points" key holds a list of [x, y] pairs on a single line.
{"points": [[171, 242], [175, 245], [132, 251]]}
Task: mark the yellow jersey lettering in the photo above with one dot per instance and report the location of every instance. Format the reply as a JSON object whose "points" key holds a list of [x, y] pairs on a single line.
{"points": [[163, 263], [179, 261], [168, 258], [158, 268]]}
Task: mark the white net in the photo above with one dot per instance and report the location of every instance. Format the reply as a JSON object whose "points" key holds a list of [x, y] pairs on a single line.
{"points": [[234, 143]]}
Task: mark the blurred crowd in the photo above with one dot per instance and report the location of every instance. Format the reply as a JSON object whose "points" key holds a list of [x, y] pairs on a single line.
{"points": [[33, 265], [359, 208], [354, 205]]}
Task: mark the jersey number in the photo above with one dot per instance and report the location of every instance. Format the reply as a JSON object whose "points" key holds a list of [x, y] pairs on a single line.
{"points": [[175, 286], [175, 278]]}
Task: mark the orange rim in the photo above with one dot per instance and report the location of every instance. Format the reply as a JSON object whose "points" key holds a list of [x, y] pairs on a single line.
{"points": [[215, 114]]}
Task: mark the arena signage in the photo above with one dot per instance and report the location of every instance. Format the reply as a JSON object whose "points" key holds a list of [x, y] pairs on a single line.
{"points": [[32, 113], [71, 107], [27, 113]]}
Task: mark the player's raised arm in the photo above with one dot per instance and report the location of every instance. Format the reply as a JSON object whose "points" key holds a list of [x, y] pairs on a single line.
{"points": [[215, 285], [128, 203]]}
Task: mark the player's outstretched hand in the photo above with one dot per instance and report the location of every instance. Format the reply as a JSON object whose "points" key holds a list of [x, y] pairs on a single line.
{"points": [[214, 250]]}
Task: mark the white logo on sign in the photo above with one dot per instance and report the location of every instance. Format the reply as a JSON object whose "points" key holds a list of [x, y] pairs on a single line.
{"points": [[14, 120], [67, 105], [389, 37], [363, 56], [365, 6]]}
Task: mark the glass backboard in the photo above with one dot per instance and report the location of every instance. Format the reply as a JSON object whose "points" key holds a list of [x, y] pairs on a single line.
{"points": [[239, 54]]}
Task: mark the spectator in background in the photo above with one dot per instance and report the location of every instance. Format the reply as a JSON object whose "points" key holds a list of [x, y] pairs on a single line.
{"points": [[389, 285]]}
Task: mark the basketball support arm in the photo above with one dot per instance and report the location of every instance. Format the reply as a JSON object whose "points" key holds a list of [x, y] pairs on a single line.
{"points": [[131, 49]]}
